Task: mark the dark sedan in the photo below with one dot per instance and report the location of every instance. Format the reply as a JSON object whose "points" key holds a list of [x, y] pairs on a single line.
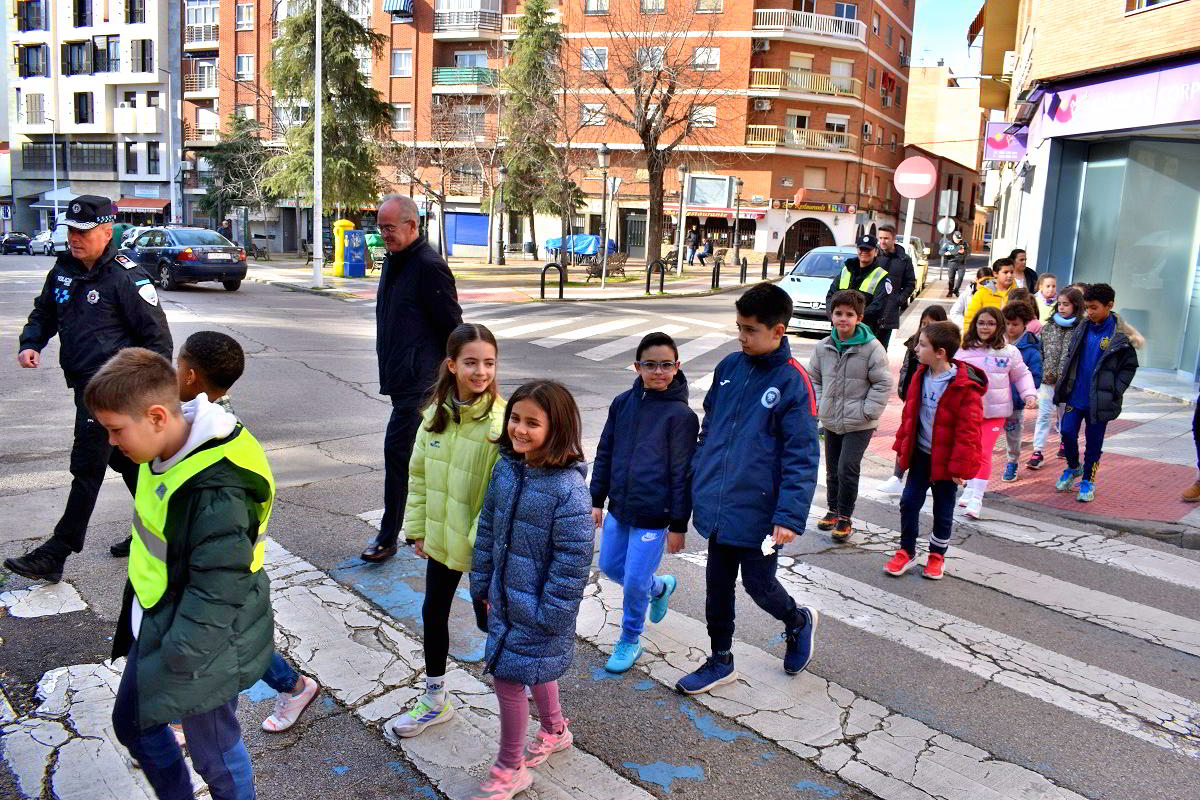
{"points": [[16, 243], [188, 255]]}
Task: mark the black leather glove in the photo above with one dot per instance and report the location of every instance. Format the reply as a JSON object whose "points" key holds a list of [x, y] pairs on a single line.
{"points": [[481, 614]]}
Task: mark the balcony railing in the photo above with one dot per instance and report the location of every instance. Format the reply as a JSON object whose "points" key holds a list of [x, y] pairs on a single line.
{"points": [[511, 24], [193, 133], [802, 80], [800, 138], [200, 81], [464, 185], [446, 21], [456, 76], [193, 34], [781, 19]]}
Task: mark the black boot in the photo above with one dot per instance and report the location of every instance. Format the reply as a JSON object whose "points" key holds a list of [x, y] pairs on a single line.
{"points": [[121, 548], [38, 565]]}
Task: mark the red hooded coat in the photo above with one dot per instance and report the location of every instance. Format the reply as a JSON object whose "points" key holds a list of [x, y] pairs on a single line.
{"points": [[957, 439]]}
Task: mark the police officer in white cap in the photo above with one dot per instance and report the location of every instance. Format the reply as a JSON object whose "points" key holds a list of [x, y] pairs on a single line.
{"points": [[98, 303]]}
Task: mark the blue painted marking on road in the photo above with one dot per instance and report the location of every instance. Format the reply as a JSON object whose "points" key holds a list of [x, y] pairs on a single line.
{"points": [[817, 789], [766, 756], [340, 769], [660, 702], [259, 692], [328, 703], [601, 674], [664, 774], [414, 781], [644, 686], [707, 725]]}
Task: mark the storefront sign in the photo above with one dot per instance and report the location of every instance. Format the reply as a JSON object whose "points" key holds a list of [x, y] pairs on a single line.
{"points": [[1001, 146], [145, 190], [832, 208], [721, 213]]}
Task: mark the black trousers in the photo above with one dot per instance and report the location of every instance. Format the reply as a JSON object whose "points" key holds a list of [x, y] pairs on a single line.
{"points": [[884, 335], [843, 464], [440, 584], [958, 269], [91, 455], [758, 576], [397, 448]]}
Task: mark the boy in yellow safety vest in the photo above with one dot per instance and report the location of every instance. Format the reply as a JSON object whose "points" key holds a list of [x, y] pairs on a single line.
{"points": [[195, 624]]}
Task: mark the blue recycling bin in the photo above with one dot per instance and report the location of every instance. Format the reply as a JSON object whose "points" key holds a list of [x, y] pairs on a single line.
{"points": [[355, 254]]}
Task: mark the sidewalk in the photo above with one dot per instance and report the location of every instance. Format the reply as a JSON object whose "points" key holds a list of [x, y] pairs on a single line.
{"points": [[516, 281]]}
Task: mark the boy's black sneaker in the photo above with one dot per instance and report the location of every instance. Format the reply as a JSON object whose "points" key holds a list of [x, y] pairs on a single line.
{"points": [[37, 565], [121, 548], [800, 642], [842, 530], [826, 522]]}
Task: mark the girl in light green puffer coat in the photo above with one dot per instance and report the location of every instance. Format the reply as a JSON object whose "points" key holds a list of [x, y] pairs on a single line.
{"points": [[448, 474]]}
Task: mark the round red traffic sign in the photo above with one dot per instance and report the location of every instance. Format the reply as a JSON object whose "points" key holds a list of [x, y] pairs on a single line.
{"points": [[915, 177]]}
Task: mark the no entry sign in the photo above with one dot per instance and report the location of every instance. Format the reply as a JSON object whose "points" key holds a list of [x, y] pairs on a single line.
{"points": [[915, 177]]}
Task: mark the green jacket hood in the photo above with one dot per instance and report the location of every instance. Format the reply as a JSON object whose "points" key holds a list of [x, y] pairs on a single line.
{"points": [[862, 334]]}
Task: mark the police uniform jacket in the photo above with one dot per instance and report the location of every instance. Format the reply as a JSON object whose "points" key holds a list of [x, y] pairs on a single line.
{"points": [[96, 313]]}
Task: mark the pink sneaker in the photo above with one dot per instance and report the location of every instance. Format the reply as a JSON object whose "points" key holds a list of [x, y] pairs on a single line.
{"points": [[503, 784], [289, 707], [544, 744]]}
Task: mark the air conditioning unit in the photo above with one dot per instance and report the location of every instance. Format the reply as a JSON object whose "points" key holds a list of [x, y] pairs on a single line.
{"points": [[760, 45], [762, 105]]}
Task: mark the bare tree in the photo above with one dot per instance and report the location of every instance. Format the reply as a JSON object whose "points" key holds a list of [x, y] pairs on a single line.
{"points": [[484, 154]]}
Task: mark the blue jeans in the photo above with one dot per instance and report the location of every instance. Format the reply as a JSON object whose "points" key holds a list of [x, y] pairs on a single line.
{"points": [[1196, 431], [629, 556], [1093, 432], [214, 740], [279, 675], [920, 481]]}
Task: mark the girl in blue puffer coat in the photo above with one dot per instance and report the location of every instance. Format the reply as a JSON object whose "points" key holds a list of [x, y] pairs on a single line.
{"points": [[533, 552]]}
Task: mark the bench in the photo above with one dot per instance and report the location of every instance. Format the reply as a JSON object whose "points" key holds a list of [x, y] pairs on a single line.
{"points": [[616, 266]]}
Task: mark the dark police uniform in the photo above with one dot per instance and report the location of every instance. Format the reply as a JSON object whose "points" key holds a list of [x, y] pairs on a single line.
{"points": [[95, 313]]}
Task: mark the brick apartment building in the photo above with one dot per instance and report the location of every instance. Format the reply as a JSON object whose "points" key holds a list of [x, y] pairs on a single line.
{"points": [[1103, 97]]}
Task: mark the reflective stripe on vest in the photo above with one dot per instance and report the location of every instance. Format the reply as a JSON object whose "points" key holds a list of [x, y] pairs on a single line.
{"points": [[867, 284], [148, 551]]}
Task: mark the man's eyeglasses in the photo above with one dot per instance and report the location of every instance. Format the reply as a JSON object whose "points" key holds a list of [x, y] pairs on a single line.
{"points": [[658, 366]]}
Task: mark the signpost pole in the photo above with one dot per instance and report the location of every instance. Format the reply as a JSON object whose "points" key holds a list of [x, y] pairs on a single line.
{"points": [[909, 209]]}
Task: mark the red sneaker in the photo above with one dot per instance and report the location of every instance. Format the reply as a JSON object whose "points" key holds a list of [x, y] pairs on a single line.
{"points": [[935, 567], [900, 563]]}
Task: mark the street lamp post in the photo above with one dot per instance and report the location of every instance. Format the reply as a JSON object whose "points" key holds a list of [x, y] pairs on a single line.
{"points": [[683, 171], [603, 156], [318, 276], [500, 217], [53, 172], [737, 218]]}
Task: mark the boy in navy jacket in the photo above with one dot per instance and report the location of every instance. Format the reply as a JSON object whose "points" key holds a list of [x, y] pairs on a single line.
{"points": [[754, 474], [642, 467]]}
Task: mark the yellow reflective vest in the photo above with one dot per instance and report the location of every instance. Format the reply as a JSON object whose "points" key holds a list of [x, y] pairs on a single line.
{"points": [[148, 551], [867, 284]]}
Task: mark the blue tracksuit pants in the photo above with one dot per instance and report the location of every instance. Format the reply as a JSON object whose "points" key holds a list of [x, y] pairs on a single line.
{"points": [[1093, 432], [630, 556]]}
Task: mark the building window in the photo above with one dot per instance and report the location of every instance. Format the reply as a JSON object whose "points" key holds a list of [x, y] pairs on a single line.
{"points": [[35, 109], [33, 61], [37, 155], [77, 58], [130, 99], [899, 96], [890, 33], [83, 108], [902, 47], [893, 143], [814, 177], [837, 123], [706, 58], [365, 61], [101, 156], [871, 77], [651, 58], [875, 186], [595, 7], [107, 53], [244, 67], [875, 24], [135, 11], [131, 159], [593, 59], [710, 6], [82, 13], [867, 130], [244, 20], [591, 114], [1138, 5], [202, 12], [845, 10], [654, 6], [704, 116], [152, 163], [31, 16], [401, 116], [244, 111], [402, 63], [151, 99], [142, 55]]}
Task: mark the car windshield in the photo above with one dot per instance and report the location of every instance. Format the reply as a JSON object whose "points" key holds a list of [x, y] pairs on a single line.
{"points": [[821, 265], [191, 238]]}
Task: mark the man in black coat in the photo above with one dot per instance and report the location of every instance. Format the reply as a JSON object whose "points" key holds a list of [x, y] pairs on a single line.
{"points": [[415, 311], [97, 303], [902, 280]]}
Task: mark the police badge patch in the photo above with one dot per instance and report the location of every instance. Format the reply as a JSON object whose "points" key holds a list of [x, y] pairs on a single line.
{"points": [[125, 262], [148, 294], [93, 297]]}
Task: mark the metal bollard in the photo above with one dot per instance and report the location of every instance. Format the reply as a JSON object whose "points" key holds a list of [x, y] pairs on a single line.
{"points": [[745, 264], [716, 274], [781, 268], [562, 278], [662, 275], [765, 261]]}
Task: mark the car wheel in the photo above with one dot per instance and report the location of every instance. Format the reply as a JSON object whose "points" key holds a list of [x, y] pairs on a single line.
{"points": [[166, 276], [231, 286]]}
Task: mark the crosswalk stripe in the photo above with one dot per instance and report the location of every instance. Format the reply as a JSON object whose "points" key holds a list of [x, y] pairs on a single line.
{"points": [[893, 756], [704, 382], [626, 344], [693, 321], [576, 334], [1148, 713], [694, 348], [531, 327]]}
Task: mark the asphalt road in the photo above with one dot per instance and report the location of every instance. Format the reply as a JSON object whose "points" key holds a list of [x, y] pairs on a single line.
{"points": [[1050, 662]]}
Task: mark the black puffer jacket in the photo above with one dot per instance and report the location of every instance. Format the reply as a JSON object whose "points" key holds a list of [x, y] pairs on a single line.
{"points": [[643, 461], [416, 309], [1114, 371], [96, 313], [903, 277]]}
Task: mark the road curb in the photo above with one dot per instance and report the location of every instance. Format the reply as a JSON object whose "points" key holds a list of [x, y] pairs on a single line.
{"points": [[295, 287], [1182, 536]]}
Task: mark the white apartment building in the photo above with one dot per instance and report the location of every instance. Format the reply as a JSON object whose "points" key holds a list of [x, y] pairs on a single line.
{"points": [[93, 95]]}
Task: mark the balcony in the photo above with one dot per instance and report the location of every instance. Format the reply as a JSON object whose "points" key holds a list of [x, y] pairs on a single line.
{"points": [[511, 27], [800, 139], [801, 80], [137, 120], [464, 185], [466, 26], [809, 24], [201, 37], [194, 136], [465, 80], [199, 84]]}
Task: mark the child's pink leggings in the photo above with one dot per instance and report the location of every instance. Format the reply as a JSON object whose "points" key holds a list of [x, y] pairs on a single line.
{"points": [[991, 430], [514, 717]]}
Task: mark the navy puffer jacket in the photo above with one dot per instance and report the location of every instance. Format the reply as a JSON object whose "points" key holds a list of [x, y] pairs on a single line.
{"points": [[643, 461], [533, 552]]}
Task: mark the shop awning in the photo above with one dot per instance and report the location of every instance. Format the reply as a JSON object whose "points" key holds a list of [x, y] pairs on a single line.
{"points": [[46, 199], [398, 6], [153, 204]]}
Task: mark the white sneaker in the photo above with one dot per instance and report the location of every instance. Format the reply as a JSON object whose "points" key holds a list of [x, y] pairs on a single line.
{"points": [[289, 707], [974, 506], [421, 716], [892, 486], [965, 496]]}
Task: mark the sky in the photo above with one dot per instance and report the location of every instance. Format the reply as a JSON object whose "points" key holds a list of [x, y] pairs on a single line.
{"points": [[940, 31]]}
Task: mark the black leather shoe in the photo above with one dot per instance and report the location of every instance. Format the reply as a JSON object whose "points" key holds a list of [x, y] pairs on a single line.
{"points": [[36, 565], [121, 549], [378, 552]]}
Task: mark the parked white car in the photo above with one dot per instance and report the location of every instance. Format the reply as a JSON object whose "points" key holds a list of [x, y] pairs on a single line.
{"points": [[808, 284], [41, 245]]}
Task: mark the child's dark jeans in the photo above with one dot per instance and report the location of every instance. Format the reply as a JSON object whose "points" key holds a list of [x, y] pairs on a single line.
{"points": [[920, 481], [758, 576], [1093, 432]]}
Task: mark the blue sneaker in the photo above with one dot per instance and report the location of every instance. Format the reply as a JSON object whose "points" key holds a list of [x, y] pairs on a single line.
{"points": [[1068, 478], [800, 642], [1087, 491], [1010, 472], [623, 656], [658, 604], [712, 673]]}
